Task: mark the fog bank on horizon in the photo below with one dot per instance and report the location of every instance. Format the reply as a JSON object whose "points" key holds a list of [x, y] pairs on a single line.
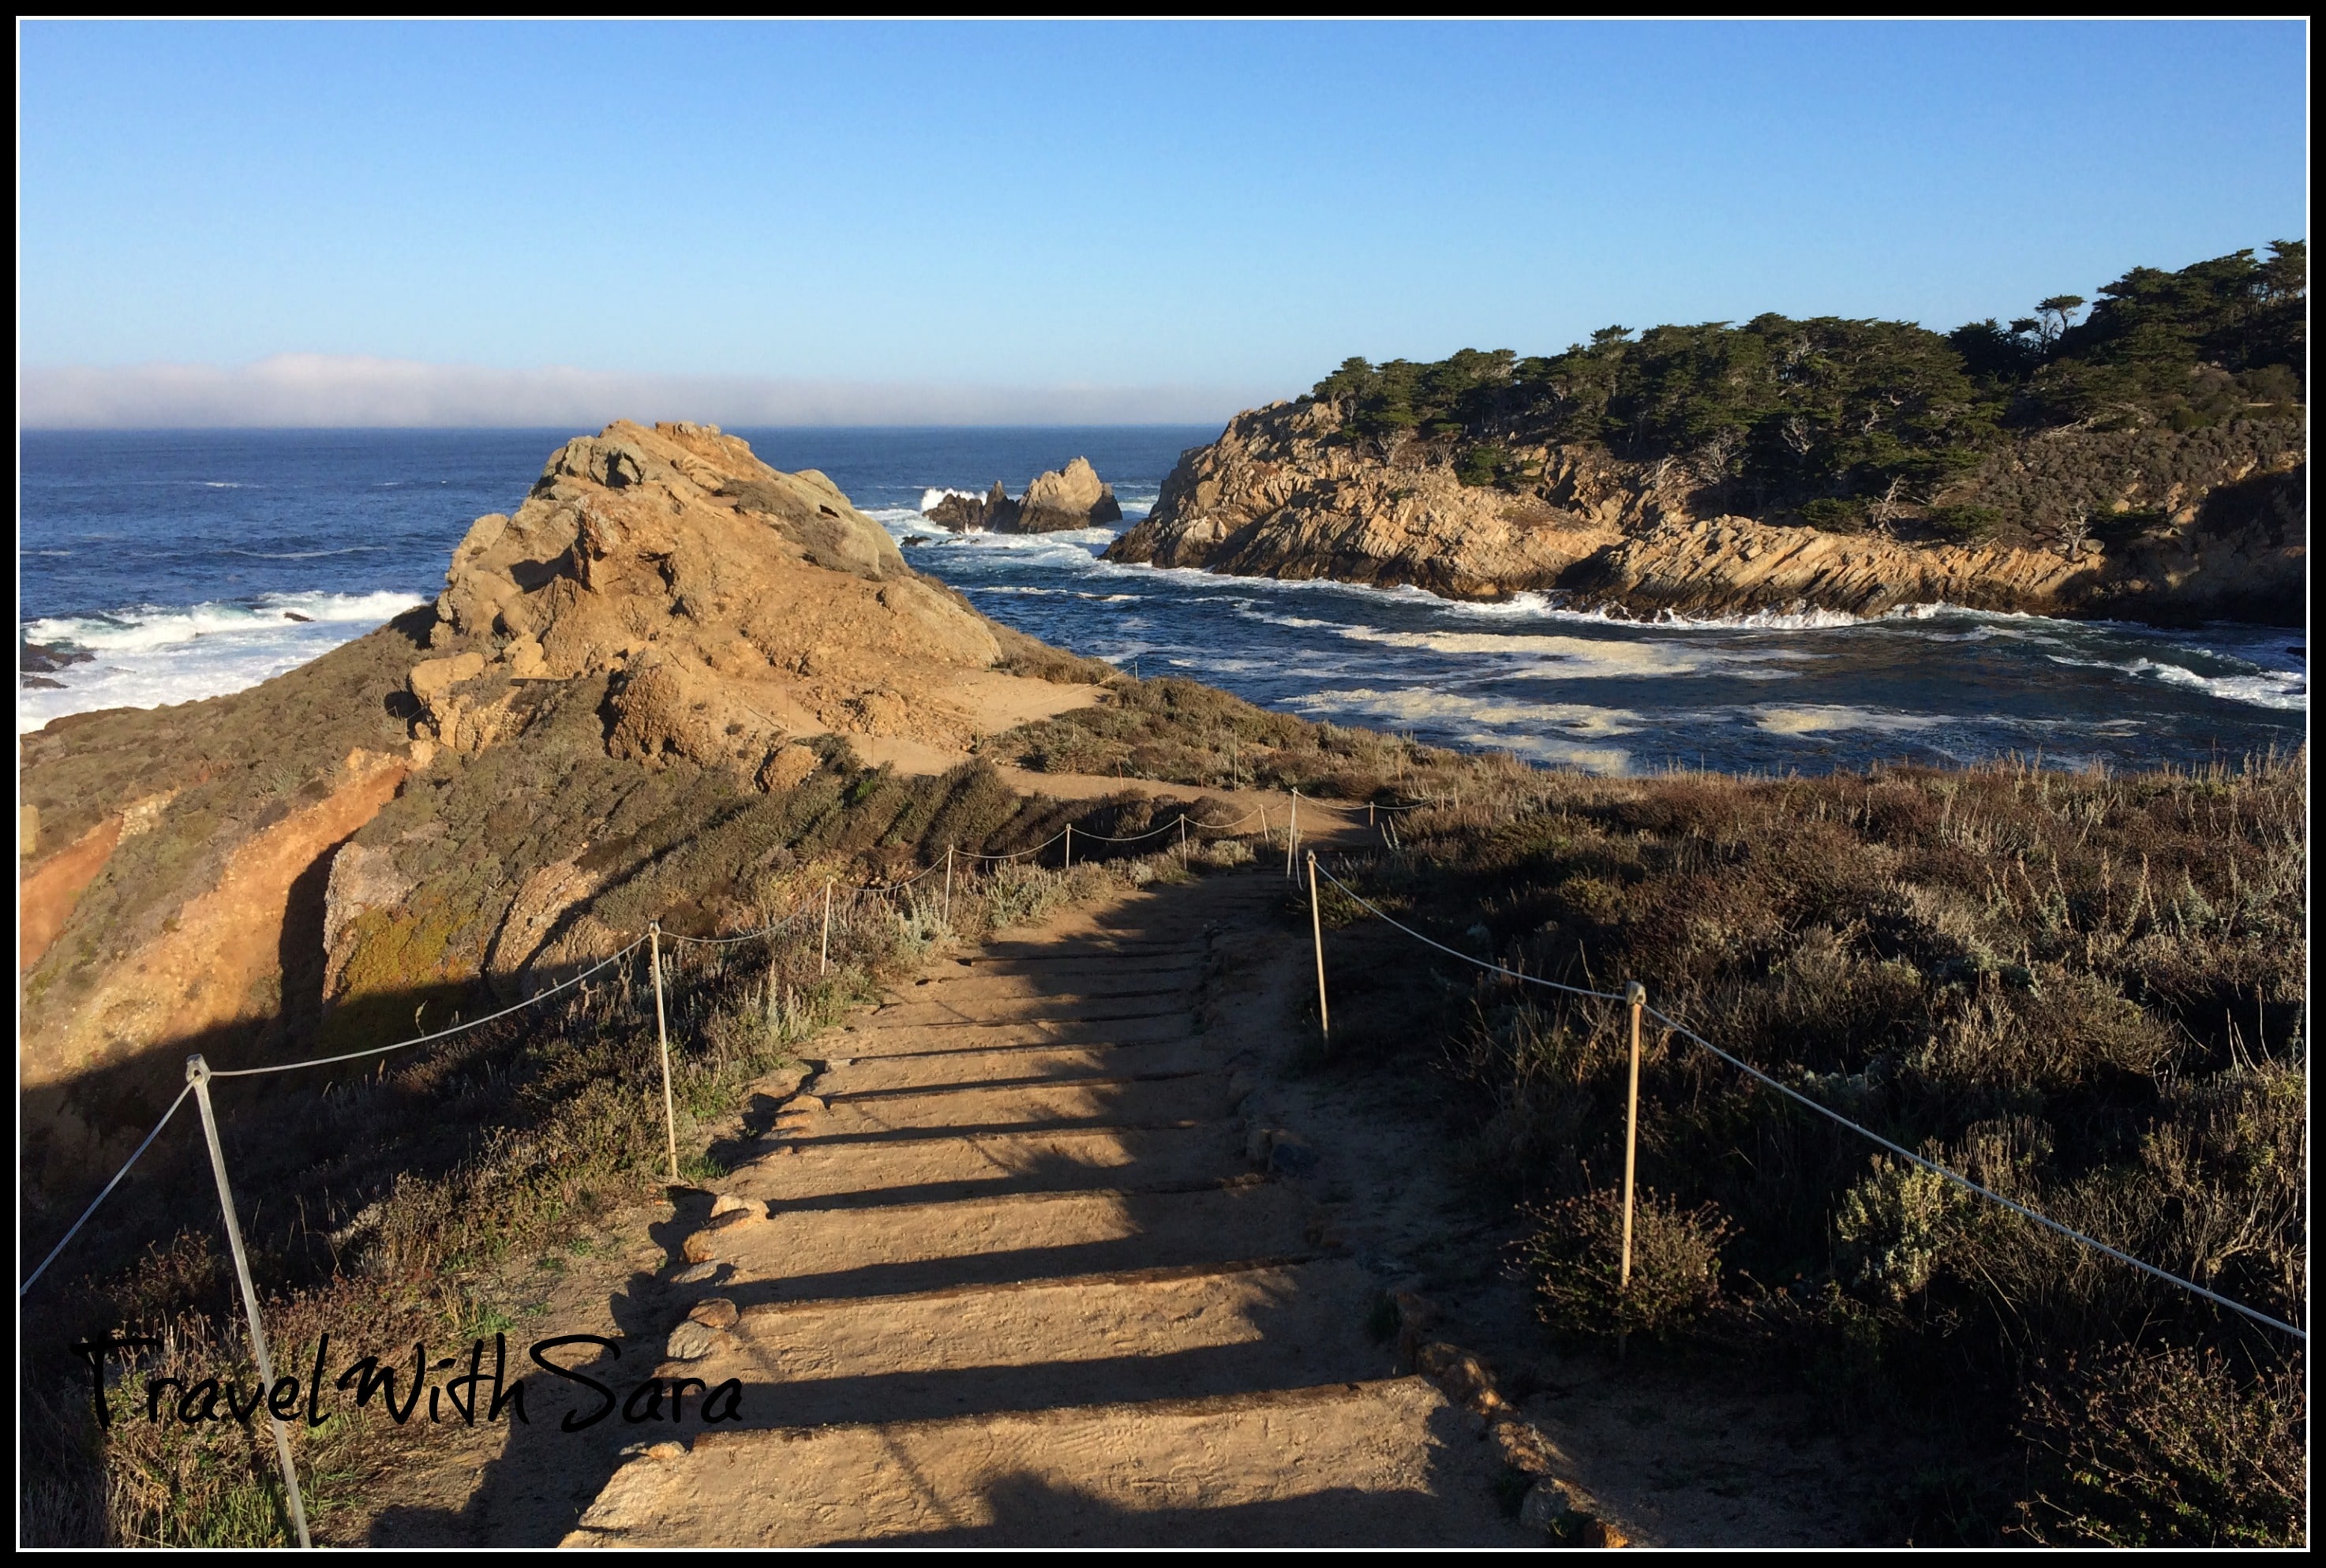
{"points": [[325, 391]]}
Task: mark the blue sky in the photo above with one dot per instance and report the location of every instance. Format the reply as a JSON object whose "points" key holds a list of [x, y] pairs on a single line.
{"points": [[1227, 210]]}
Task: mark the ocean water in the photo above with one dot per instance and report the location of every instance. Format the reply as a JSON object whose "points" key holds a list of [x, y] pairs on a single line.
{"points": [[189, 563]]}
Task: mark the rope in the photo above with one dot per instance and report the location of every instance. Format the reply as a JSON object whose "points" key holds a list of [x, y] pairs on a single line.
{"points": [[1931, 1165], [728, 940], [1456, 953], [1136, 838], [1965, 1181], [439, 1034], [101, 1197], [1019, 854]]}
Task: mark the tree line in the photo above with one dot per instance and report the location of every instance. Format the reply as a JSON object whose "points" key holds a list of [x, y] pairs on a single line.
{"points": [[1830, 415]]}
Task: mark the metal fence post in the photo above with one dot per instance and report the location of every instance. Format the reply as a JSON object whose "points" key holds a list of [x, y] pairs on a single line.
{"points": [[1070, 846], [1317, 926], [1292, 833], [661, 1035], [198, 1074], [948, 904], [1636, 996], [823, 956], [1183, 840]]}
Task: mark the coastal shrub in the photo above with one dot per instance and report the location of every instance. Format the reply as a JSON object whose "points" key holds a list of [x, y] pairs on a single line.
{"points": [[1964, 524], [1832, 515], [1573, 1258], [2169, 1449], [2083, 990], [1891, 1226]]}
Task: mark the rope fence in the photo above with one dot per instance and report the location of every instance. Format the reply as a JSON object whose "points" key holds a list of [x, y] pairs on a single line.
{"points": [[654, 936], [200, 1074], [1635, 997]]}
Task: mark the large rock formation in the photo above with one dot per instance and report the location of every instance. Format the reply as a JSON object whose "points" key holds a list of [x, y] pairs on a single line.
{"points": [[665, 625], [1074, 496], [2213, 525]]}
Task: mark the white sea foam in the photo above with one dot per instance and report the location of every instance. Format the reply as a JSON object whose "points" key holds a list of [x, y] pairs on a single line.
{"points": [[1571, 655], [1551, 732], [148, 656], [2287, 690], [307, 555], [931, 496], [1818, 718]]}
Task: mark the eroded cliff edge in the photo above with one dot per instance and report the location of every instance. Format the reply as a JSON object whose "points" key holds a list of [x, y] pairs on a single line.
{"points": [[2158, 525]]}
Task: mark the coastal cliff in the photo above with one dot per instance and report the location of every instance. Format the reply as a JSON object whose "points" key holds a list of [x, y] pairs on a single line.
{"points": [[2204, 525]]}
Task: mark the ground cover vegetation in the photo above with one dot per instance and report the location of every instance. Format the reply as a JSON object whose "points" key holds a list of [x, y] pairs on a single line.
{"points": [[1842, 425], [437, 1190], [2084, 991]]}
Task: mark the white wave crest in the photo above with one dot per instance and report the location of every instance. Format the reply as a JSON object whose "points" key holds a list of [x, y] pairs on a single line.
{"points": [[1571, 655], [2286, 690], [148, 656], [931, 496], [1815, 719]]}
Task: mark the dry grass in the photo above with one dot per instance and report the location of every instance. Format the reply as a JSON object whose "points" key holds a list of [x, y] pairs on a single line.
{"points": [[2085, 991]]}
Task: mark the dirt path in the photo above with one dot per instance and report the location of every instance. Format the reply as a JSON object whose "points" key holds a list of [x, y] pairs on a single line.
{"points": [[1012, 1267]]}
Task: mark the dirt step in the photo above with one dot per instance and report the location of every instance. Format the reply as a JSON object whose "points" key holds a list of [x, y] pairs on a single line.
{"points": [[1010, 1063], [1093, 1101], [1065, 1006], [798, 1255], [1380, 1463], [1087, 949], [983, 993], [973, 968], [1152, 1334], [867, 1039], [942, 1169]]}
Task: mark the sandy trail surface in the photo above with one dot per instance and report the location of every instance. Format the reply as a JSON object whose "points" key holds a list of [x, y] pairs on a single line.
{"points": [[999, 1266]]}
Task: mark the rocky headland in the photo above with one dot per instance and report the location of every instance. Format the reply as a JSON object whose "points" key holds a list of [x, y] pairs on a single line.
{"points": [[2147, 461], [2199, 527], [1074, 496], [666, 630]]}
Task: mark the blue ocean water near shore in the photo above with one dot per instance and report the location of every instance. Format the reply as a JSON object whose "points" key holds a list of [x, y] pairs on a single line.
{"points": [[189, 563]]}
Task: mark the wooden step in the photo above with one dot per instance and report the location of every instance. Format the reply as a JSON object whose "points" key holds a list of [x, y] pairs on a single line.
{"points": [[1386, 1463]]}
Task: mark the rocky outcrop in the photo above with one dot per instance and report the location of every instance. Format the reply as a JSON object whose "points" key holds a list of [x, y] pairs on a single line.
{"points": [[2214, 526], [664, 614], [729, 606], [1074, 496]]}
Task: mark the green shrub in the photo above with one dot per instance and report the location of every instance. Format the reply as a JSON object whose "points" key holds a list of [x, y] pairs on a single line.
{"points": [[1892, 1225], [1966, 525], [1832, 515]]}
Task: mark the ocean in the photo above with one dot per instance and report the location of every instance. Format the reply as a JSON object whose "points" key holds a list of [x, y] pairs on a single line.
{"points": [[181, 564]]}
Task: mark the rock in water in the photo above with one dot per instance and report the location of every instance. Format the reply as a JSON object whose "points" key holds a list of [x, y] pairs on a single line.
{"points": [[993, 512], [1074, 496]]}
